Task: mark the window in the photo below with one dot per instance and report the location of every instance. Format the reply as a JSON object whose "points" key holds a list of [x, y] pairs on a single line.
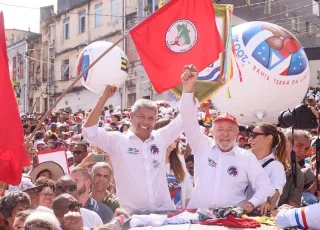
{"points": [[98, 18], [267, 7], [132, 97], [66, 28], [51, 72], [308, 28], [316, 7], [65, 70], [38, 104], [115, 10], [52, 30], [295, 23], [150, 7], [82, 22]]}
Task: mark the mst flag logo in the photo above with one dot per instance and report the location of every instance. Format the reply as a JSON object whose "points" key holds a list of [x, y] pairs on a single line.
{"points": [[181, 36]]}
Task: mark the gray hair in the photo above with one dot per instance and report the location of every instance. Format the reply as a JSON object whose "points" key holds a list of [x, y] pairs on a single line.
{"points": [[144, 103], [43, 220], [101, 165], [297, 133]]}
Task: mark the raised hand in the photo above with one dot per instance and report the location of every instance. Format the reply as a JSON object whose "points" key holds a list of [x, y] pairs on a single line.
{"points": [[189, 78], [109, 92], [73, 220]]}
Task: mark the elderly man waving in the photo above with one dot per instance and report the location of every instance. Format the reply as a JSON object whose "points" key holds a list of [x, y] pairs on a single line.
{"points": [[222, 169]]}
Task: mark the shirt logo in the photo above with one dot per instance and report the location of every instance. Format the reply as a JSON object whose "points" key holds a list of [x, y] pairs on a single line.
{"points": [[133, 151], [212, 163], [181, 36], [154, 150], [233, 171], [156, 164]]}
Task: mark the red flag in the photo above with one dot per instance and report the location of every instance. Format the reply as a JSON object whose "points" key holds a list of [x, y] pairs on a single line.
{"points": [[13, 155], [181, 32]]}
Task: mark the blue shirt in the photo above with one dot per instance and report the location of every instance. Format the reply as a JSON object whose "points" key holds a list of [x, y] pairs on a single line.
{"points": [[101, 209]]}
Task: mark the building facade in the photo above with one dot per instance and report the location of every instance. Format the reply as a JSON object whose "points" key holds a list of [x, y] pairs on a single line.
{"points": [[313, 55], [77, 24], [18, 43], [40, 64]]}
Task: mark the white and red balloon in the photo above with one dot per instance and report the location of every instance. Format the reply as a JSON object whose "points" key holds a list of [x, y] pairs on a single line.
{"points": [[112, 69], [271, 75]]}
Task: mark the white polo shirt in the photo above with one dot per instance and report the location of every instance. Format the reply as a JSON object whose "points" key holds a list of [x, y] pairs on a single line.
{"points": [[139, 167], [221, 178], [307, 217]]}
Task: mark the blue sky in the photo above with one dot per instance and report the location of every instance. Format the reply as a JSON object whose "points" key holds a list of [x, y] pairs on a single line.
{"points": [[23, 18]]}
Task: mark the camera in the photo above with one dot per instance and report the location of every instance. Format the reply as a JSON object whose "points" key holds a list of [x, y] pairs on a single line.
{"points": [[300, 117]]}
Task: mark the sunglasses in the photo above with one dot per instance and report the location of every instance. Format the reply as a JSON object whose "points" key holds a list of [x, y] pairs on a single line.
{"points": [[70, 188], [77, 152], [73, 206], [254, 134]]}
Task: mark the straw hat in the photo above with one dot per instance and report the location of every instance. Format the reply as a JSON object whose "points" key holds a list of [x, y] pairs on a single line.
{"points": [[55, 169]]}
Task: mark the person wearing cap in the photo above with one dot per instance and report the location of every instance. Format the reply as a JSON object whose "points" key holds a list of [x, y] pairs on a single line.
{"points": [[139, 156], [28, 187], [241, 141], [53, 129], [222, 169]]}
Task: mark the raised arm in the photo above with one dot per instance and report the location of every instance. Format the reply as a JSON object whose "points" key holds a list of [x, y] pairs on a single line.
{"points": [[94, 116], [99, 137], [172, 131], [188, 111]]}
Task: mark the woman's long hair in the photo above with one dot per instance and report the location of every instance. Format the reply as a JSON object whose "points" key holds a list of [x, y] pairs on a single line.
{"points": [[175, 162], [279, 143]]}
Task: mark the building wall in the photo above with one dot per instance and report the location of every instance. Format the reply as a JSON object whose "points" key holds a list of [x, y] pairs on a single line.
{"points": [[20, 69], [110, 30]]}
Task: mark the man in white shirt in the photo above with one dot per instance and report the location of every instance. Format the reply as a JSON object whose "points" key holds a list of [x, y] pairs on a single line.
{"points": [[222, 169], [138, 156]]}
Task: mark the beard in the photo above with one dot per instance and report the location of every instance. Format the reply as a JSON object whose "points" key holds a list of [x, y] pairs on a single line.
{"points": [[82, 190], [226, 146]]}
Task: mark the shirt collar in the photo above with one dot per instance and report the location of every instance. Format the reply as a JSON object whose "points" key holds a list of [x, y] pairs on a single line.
{"points": [[270, 156], [89, 202], [131, 135]]}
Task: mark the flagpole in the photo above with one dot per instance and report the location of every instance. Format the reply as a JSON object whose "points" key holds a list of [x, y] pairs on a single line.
{"points": [[71, 85]]}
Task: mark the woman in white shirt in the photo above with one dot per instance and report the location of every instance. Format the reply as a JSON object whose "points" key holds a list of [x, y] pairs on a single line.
{"points": [[269, 146], [179, 182]]}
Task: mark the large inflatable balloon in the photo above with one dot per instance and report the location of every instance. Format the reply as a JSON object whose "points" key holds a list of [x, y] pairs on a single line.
{"points": [[270, 74], [112, 69]]}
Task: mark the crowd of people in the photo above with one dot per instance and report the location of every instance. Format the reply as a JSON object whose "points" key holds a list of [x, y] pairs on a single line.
{"points": [[152, 158]]}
